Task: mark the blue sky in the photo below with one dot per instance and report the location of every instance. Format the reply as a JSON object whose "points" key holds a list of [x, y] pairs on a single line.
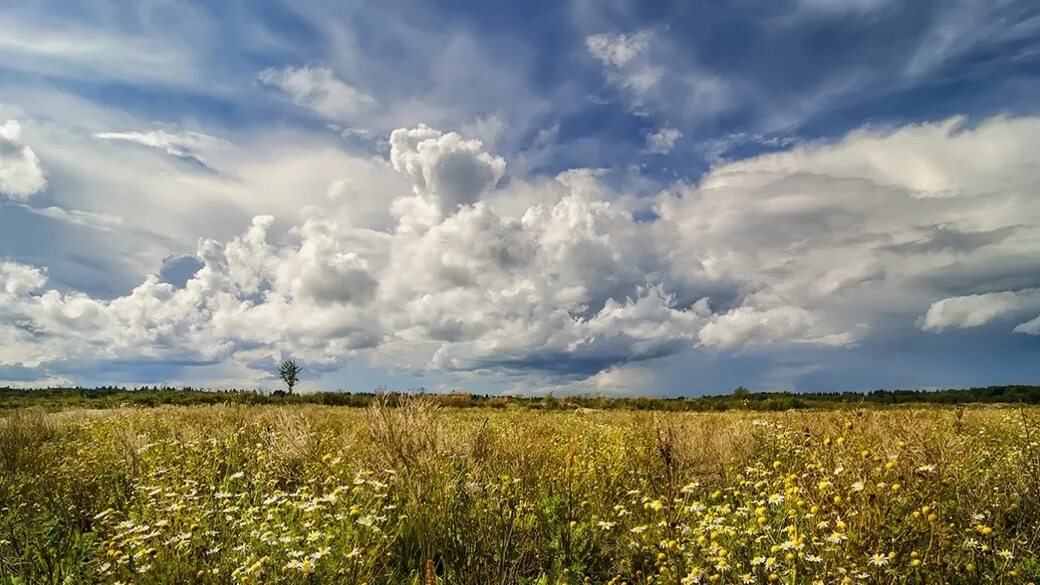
{"points": [[605, 197]]}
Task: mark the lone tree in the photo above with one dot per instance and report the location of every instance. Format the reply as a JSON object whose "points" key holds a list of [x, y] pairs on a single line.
{"points": [[290, 373]]}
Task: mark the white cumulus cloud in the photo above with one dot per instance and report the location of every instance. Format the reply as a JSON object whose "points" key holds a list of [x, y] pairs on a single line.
{"points": [[824, 244], [21, 175], [446, 171]]}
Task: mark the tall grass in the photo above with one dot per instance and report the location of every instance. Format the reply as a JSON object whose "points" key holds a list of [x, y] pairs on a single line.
{"points": [[417, 493]]}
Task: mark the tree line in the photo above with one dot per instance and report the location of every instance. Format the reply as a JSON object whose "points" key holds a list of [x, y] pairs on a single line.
{"points": [[739, 399]]}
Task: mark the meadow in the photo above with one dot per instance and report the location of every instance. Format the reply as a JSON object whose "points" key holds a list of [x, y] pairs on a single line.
{"points": [[423, 494]]}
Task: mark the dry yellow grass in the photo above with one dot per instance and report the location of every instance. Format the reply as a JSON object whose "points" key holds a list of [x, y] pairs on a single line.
{"points": [[421, 495]]}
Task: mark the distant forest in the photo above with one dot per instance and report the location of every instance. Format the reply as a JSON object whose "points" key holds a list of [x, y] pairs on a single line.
{"points": [[739, 399]]}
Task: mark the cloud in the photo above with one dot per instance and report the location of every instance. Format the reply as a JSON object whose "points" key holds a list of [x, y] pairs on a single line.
{"points": [[83, 51], [663, 140], [98, 221], [18, 279], [965, 26], [318, 89], [446, 171], [324, 271], [656, 76], [977, 310], [563, 288], [617, 50], [825, 245], [942, 159], [1031, 327], [745, 326], [842, 7], [178, 269], [186, 145], [20, 173], [628, 65]]}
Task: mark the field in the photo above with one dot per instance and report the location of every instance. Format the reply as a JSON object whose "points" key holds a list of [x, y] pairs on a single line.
{"points": [[425, 494]]}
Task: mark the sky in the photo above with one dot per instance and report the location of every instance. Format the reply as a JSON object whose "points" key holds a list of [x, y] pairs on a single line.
{"points": [[580, 196]]}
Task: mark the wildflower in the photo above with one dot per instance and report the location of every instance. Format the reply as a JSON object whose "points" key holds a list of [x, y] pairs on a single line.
{"points": [[294, 565], [878, 560], [690, 487], [694, 576]]}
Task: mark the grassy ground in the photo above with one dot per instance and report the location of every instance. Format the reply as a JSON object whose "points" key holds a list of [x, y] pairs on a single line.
{"points": [[420, 494]]}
